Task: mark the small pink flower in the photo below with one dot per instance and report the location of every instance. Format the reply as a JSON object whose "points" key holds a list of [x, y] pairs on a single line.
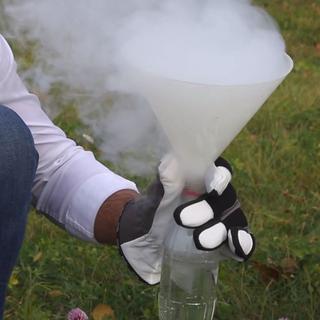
{"points": [[77, 314]]}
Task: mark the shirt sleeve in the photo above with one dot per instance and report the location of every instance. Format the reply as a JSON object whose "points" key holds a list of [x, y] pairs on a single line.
{"points": [[70, 184]]}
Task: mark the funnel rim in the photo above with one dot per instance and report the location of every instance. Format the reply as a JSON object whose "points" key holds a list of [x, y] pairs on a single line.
{"points": [[196, 83]]}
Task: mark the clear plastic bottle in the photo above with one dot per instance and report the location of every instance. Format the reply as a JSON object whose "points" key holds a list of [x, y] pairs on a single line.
{"points": [[188, 280]]}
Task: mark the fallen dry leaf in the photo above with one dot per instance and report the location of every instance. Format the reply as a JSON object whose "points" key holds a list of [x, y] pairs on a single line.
{"points": [[268, 272], [37, 257], [289, 266], [14, 281], [103, 312], [55, 293]]}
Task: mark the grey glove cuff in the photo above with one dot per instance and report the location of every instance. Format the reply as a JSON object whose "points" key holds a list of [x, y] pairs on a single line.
{"points": [[138, 215]]}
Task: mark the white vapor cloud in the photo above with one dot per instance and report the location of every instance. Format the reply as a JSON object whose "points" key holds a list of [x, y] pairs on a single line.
{"points": [[86, 44]]}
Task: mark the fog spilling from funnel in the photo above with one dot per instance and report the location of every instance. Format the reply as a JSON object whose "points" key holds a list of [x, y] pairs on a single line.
{"points": [[207, 42], [89, 46]]}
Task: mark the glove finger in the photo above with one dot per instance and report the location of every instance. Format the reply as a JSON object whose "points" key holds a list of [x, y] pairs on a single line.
{"points": [[221, 162], [223, 203], [210, 236], [206, 208], [241, 242], [194, 214], [217, 178]]}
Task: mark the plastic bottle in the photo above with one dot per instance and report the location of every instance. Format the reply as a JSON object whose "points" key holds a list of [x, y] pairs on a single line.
{"points": [[189, 278]]}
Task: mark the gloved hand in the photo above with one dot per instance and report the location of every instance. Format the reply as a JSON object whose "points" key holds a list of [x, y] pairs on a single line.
{"points": [[216, 216], [144, 222]]}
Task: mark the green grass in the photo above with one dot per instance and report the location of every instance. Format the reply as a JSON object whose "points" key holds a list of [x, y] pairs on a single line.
{"points": [[276, 161]]}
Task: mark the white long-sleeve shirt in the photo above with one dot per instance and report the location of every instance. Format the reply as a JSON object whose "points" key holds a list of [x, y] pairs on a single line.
{"points": [[70, 184]]}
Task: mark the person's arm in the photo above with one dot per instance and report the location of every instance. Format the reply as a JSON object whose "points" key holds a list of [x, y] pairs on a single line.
{"points": [[71, 186]]}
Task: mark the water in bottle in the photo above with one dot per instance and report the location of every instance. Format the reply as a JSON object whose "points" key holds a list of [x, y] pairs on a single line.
{"points": [[188, 280]]}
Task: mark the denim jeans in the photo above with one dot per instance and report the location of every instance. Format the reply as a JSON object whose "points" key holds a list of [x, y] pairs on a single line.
{"points": [[18, 164]]}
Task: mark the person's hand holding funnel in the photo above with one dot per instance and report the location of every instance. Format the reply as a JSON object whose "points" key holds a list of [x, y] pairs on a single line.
{"points": [[216, 217]]}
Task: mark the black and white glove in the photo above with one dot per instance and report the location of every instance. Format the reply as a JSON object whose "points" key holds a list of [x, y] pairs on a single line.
{"points": [[145, 222], [217, 217]]}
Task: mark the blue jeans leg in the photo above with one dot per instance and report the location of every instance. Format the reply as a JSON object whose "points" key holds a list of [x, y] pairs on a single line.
{"points": [[18, 164]]}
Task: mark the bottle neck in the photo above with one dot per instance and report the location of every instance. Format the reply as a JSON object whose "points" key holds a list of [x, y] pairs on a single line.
{"points": [[193, 191], [190, 194]]}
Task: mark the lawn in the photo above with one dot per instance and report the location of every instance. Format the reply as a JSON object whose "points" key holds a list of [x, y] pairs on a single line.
{"points": [[276, 161]]}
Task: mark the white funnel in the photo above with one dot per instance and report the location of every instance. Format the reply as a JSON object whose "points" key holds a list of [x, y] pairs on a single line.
{"points": [[201, 120]]}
